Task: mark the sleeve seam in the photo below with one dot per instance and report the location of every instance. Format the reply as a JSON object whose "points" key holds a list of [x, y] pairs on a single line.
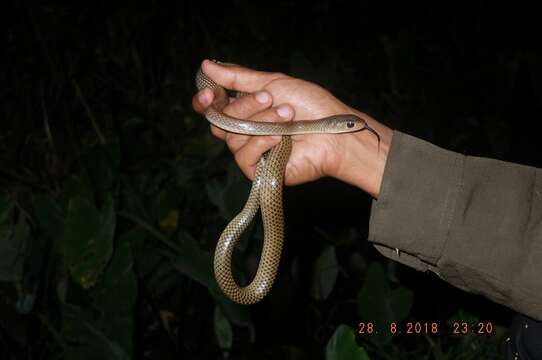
{"points": [[459, 167]]}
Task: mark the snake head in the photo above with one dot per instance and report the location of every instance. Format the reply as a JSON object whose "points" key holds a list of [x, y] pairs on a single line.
{"points": [[344, 124], [349, 123]]}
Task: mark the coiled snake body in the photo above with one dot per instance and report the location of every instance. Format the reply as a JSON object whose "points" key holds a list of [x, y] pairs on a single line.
{"points": [[266, 191]]}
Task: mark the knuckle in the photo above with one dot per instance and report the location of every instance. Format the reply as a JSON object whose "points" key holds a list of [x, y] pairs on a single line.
{"points": [[279, 75], [261, 99]]}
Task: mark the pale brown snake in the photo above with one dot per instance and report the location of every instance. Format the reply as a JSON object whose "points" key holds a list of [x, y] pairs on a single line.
{"points": [[266, 191]]}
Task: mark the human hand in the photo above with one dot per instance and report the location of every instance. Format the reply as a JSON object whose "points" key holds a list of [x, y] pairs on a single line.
{"points": [[356, 158]]}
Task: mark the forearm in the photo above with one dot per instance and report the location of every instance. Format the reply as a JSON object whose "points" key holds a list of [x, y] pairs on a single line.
{"points": [[473, 221]]}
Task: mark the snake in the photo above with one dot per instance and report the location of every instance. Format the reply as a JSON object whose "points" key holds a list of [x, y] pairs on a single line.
{"points": [[266, 191]]}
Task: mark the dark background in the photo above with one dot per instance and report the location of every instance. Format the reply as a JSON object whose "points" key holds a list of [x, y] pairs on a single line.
{"points": [[95, 115]]}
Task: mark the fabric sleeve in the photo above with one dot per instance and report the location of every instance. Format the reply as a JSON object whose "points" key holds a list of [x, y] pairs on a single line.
{"points": [[475, 222]]}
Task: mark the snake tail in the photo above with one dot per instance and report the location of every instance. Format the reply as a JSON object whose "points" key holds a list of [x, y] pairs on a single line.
{"points": [[265, 194]]}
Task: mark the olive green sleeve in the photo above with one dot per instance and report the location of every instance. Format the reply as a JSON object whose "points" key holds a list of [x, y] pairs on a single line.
{"points": [[475, 222]]}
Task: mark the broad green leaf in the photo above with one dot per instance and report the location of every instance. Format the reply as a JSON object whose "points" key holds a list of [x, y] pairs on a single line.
{"points": [[401, 300], [116, 295], [230, 195], [195, 263], [223, 329], [238, 314], [87, 243], [342, 346], [85, 340], [168, 217], [380, 304], [325, 271], [108, 332]]}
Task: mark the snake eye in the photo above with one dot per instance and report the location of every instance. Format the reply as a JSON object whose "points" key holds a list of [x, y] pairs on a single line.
{"points": [[350, 124]]}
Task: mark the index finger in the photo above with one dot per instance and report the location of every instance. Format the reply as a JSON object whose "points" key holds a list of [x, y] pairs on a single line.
{"points": [[239, 78]]}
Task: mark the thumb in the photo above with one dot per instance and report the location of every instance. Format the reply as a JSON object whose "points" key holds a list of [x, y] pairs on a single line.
{"points": [[236, 77]]}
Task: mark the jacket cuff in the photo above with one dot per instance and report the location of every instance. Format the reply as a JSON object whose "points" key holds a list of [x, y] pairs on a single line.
{"points": [[411, 218]]}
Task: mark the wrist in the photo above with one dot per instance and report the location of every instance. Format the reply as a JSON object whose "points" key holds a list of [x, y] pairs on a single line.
{"points": [[363, 158]]}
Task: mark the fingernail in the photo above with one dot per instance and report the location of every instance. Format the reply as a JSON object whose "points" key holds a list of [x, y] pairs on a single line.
{"points": [[276, 138], [283, 111], [202, 98], [263, 97]]}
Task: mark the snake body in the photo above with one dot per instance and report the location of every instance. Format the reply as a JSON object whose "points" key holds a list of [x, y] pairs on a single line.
{"points": [[266, 191]]}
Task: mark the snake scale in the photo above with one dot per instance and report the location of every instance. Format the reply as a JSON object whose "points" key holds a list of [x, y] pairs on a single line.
{"points": [[266, 191]]}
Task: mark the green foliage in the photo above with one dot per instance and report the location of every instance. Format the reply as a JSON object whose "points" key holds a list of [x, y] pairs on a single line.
{"points": [[325, 274], [381, 305], [223, 330], [87, 241], [198, 265], [342, 346], [109, 334], [226, 195]]}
